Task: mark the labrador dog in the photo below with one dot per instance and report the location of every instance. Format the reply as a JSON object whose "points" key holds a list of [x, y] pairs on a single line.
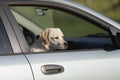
{"points": [[50, 39]]}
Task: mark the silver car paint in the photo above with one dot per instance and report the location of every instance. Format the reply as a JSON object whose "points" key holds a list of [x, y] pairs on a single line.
{"points": [[79, 65], [15, 67]]}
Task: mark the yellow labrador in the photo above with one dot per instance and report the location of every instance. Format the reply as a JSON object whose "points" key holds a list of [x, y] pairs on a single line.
{"points": [[50, 39]]}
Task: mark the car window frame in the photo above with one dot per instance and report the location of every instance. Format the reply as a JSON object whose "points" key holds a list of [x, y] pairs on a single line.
{"points": [[72, 10], [15, 48], [19, 44]]}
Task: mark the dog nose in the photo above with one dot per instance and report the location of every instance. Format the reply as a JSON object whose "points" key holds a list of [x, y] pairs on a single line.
{"points": [[65, 44]]}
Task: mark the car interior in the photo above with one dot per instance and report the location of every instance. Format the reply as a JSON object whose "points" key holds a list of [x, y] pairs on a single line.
{"points": [[77, 43]]}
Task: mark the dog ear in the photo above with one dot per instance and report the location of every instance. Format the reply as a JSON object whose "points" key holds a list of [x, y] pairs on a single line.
{"points": [[45, 36]]}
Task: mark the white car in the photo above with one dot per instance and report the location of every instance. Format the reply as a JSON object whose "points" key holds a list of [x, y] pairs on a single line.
{"points": [[93, 51]]}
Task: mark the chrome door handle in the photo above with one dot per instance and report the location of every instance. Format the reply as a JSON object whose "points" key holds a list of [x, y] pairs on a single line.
{"points": [[52, 69]]}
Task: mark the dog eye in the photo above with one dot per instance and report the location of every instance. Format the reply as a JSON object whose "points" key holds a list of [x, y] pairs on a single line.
{"points": [[56, 37]]}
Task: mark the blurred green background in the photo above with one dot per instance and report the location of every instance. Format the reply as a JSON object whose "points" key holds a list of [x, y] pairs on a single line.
{"points": [[109, 8]]}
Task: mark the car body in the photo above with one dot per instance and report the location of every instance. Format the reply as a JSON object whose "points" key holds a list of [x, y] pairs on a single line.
{"points": [[99, 58]]}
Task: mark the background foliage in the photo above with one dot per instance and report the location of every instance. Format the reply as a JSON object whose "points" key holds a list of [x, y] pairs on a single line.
{"points": [[109, 8]]}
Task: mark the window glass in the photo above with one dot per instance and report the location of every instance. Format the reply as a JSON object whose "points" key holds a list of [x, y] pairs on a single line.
{"points": [[79, 33], [5, 47], [75, 26]]}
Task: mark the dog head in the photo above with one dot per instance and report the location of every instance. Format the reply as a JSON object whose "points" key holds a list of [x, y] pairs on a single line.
{"points": [[53, 39]]}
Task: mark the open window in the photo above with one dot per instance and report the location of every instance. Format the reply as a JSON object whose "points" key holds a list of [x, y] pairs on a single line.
{"points": [[79, 33]]}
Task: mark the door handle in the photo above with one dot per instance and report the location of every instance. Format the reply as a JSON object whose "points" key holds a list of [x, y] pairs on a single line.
{"points": [[52, 69]]}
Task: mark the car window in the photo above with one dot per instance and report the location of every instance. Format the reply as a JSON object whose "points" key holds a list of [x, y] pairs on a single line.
{"points": [[5, 47], [78, 32]]}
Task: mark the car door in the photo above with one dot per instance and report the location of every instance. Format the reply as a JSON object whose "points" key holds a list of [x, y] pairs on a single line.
{"points": [[91, 53], [76, 65], [12, 66]]}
